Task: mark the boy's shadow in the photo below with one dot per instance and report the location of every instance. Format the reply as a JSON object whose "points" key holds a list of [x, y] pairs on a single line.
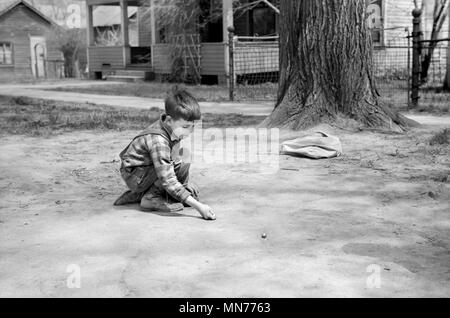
{"points": [[164, 214]]}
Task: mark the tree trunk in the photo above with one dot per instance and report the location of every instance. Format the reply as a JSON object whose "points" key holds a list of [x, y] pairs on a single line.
{"points": [[326, 67]]}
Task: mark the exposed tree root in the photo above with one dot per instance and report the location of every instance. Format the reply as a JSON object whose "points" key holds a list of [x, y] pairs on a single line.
{"points": [[292, 115]]}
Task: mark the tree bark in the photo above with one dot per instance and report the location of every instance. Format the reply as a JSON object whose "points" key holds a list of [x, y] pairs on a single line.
{"points": [[326, 67]]}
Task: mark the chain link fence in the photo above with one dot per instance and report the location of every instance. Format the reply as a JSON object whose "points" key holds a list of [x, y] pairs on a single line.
{"points": [[256, 70], [392, 70], [431, 88]]}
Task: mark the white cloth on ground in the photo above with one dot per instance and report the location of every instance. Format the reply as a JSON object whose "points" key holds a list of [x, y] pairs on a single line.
{"points": [[317, 146]]}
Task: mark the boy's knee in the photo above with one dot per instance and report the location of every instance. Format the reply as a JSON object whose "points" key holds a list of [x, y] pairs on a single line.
{"points": [[182, 171]]}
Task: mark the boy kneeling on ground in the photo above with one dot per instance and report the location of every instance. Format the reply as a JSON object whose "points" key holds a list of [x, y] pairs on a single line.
{"points": [[156, 180]]}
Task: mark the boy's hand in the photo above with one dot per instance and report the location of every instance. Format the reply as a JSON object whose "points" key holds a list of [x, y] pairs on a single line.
{"points": [[206, 212]]}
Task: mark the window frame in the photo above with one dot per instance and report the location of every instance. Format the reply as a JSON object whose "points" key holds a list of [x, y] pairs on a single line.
{"points": [[11, 45], [381, 43]]}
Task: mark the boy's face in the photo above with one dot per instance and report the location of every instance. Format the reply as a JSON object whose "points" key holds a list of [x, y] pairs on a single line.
{"points": [[181, 128]]}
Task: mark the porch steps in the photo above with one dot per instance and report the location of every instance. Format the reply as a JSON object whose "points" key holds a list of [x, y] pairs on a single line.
{"points": [[131, 75], [138, 73], [124, 78]]}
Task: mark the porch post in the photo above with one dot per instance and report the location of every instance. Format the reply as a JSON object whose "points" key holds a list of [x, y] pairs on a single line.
{"points": [[152, 28], [447, 79], [124, 28], [89, 25], [152, 22], [89, 34], [227, 18]]}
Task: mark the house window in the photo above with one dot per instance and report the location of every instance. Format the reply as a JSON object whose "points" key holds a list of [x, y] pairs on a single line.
{"points": [[162, 35], [375, 20], [6, 54], [210, 21], [262, 20]]}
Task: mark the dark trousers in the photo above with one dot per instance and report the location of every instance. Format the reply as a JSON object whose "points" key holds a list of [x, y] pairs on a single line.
{"points": [[141, 179]]}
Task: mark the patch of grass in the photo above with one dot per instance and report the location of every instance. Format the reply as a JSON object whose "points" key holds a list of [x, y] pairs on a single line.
{"points": [[441, 138], [22, 115], [393, 93], [205, 93]]}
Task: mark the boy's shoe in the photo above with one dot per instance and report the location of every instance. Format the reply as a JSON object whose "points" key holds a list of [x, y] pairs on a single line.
{"points": [[154, 200], [128, 197]]}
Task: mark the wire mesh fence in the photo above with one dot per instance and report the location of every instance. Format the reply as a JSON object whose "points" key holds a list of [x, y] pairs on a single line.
{"points": [[431, 88], [392, 69], [256, 70]]}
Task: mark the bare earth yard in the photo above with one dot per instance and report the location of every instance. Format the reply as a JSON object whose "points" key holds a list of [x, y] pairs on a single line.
{"points": [[385, 203]]}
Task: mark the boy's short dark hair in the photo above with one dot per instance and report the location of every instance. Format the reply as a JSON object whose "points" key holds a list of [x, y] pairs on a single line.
{"points": [[179, 103]]}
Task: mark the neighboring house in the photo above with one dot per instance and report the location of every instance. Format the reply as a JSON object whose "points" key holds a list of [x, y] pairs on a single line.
{"points": [[25, 47], [66, 13]]}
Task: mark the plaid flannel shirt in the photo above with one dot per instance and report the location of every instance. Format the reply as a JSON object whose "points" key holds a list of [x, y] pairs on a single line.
{"points": [[156, 151]]}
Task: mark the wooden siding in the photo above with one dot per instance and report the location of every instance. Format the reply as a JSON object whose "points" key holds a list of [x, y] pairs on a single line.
{"points": [[101, 56], [212, 59], [16, 27]]}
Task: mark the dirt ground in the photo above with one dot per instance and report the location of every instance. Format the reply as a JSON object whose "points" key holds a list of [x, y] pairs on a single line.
{"points": [[383, 205]]}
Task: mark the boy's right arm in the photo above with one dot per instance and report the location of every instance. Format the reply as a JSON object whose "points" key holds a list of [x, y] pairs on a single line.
{"points": [[160, 155], [205, 211]]}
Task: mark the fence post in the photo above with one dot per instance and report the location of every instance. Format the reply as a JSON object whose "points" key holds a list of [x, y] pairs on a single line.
{"points": [[231, 61], [416, 70], [409, 66]]}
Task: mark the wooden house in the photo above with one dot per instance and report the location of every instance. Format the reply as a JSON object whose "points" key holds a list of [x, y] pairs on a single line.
{"points": [[26, 50], [211, 41]]}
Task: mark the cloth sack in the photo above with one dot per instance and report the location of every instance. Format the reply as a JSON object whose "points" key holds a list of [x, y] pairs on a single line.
{"points": [[317, 146]]}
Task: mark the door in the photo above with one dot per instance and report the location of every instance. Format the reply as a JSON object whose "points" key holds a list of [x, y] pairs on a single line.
{"points": [[38, 56]]}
